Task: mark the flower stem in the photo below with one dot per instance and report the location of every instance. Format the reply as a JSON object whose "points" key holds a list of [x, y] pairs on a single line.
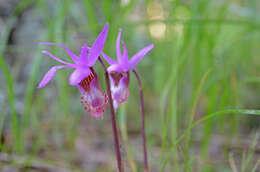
{"points": [[113, 118], [146, 169]]}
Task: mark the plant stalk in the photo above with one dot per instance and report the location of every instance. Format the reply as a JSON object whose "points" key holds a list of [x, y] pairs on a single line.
{"points": [[113, 118], [146, 169]]}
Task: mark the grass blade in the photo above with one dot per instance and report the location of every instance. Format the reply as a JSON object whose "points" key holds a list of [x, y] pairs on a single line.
{"points": [[208, 117], [9, 84]]}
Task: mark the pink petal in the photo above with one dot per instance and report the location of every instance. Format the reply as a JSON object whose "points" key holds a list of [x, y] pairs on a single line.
{"points": [[48, 76], [84, 53], [97, 46], [124, 58], [54, 57], [108, 59], [78, 75], [95, 100], [118, 49], [72, 55], [115, 68], [120, 91], [139, 55]]}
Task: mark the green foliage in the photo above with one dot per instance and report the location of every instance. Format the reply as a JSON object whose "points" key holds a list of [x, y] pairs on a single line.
{"points": [[205, 61]]}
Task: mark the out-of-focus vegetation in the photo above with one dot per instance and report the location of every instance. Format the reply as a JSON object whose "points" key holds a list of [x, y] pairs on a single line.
{"points": [[206, 59]]}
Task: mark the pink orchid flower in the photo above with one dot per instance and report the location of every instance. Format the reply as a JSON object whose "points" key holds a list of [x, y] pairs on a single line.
{"points": [[119, 70], [93, 99]]}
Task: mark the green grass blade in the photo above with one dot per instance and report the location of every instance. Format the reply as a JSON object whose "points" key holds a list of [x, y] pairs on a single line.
{"points": [[256, 165], [22, 5], [251, 152], [232, 163], [9, 84], [195, 104], [219, 113], [210, 116], [31, 85], [90, 13]]}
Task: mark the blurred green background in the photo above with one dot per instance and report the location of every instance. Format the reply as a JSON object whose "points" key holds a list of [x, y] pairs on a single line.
{"points": [[206, 59]]}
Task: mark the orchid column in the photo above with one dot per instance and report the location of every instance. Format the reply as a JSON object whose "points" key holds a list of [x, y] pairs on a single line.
{"points": [[119, 76]]}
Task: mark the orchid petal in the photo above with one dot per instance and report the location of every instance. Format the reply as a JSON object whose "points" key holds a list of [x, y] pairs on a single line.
{"points": [[78, 75], [124, 58], [54, 57], [118, 49], [108, 59], [120, 92], [84, 53], [97, 46], [48, 76], [139, 55], [71, 54], [94, 100], [115, 68]]}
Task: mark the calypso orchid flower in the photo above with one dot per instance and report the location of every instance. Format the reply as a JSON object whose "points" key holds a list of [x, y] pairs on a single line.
{"points": [[119, 70], [93, 99]]}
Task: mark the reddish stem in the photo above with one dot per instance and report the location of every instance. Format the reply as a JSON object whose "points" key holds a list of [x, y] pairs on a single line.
{"points": [[113, 118], [146, 169]]}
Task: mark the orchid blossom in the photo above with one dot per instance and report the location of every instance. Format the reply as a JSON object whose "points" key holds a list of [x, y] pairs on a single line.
{"points": [[119, 70], [93, 99]]}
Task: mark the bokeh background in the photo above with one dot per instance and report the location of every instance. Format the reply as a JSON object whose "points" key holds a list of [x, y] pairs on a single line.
{"points": [[206, 59]]}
